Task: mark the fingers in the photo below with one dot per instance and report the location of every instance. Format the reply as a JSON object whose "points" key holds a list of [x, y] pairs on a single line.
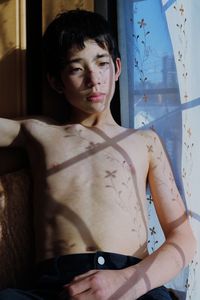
{"points": [[84, 287], [80, 284], [78, 287]]}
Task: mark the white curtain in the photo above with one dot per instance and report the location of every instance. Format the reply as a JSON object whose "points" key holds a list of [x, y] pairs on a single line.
{"points": [[160, 87], [184, 25]]}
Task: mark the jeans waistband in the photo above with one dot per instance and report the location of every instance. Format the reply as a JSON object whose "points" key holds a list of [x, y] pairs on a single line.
{"points": [[86, 261]]}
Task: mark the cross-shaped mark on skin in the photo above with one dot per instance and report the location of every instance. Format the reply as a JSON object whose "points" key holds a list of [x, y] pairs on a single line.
{"points": [[108, 142], [93, 150]]}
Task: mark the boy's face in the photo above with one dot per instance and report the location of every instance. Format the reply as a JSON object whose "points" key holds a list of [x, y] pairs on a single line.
{"points": [[89, 78]]}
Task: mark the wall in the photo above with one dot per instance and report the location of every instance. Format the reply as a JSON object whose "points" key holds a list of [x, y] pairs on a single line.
{"points": [[12, 58]]}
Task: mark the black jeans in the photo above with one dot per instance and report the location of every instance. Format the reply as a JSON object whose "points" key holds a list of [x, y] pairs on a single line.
{"points": [[52, 274]]}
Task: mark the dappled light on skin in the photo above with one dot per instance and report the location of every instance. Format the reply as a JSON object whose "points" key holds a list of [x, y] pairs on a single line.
{"points": [[88, 82], [85, 234], [93, 150], [62, 209], [178, 222], [143, 272]]}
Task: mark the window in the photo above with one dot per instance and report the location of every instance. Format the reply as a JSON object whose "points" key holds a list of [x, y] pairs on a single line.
{"points": [[149, 86]]}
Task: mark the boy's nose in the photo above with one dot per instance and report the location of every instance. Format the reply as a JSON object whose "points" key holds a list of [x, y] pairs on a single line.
{"points": [[93, 78]]}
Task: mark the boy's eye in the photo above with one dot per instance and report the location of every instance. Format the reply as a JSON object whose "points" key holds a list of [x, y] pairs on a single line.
{"points": [[75, 70], [104, 63]]}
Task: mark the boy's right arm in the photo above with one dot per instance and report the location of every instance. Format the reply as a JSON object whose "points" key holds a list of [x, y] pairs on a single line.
{"points": [[10, 132], [12, 156]]}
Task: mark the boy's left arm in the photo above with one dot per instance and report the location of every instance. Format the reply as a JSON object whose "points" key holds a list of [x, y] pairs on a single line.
{"points": [[167, 261], [180, 245]]}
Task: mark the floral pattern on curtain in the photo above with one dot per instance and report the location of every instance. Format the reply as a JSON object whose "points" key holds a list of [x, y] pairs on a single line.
{"points": [[160, 48], [184, 23]]}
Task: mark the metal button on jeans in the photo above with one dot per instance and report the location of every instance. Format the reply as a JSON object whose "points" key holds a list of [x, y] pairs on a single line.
{"points": [[101, 260]]}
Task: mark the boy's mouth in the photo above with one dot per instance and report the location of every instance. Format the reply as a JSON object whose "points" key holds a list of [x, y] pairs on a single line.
{"points": [[96, 97]]}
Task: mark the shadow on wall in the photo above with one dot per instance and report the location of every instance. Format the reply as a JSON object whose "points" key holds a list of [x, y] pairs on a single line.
{"points": [[12, 84], [13, 90]]}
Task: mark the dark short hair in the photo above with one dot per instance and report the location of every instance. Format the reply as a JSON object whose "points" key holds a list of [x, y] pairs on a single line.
{"points": [[72, 28]]}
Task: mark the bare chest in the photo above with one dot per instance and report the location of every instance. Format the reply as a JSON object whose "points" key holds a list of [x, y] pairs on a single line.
{"points": [[88, 163], [95, 180], [76, 162]]}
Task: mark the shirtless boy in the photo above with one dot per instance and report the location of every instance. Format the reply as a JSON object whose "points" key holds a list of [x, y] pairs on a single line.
{"points": [[90, 179]]}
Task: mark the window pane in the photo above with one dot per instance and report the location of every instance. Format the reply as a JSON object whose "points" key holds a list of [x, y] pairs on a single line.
{"points": [[153, 96]]}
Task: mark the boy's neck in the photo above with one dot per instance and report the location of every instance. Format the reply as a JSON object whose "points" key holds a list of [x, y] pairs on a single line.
{"points": [[93, 120]]}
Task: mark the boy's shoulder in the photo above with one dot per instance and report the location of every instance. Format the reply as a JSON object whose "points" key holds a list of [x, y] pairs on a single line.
{"points": [[39, 126], [146, 134], [149, 139], [38, 121]]}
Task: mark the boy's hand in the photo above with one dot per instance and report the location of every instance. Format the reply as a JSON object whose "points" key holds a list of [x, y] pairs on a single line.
{"points": [[100, 285]]}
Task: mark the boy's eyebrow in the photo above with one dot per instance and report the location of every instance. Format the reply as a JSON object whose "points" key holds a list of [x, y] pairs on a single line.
{"points": [[102, 55], [74, 60], [78, 60]]}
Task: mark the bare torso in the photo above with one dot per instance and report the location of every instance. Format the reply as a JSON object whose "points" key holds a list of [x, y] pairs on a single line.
{"points": [[90, 189]]}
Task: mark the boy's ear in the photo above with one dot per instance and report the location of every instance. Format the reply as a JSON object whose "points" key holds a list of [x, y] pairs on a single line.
{"points": [[55, 83], [117, 68]]}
